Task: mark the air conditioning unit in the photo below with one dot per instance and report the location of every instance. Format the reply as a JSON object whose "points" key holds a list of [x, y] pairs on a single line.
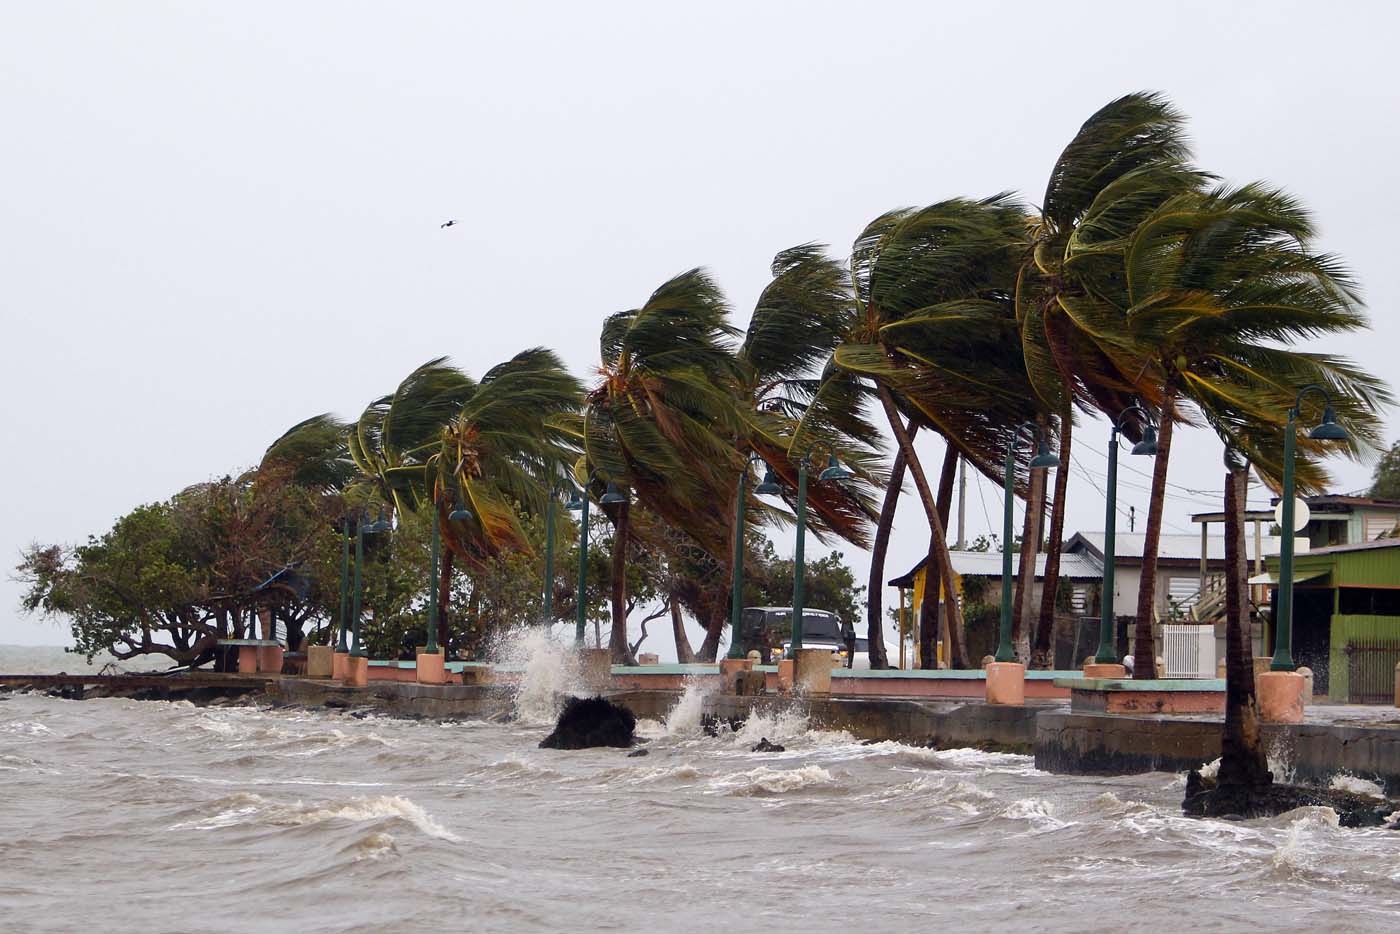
{"points": [[1189, 651]]}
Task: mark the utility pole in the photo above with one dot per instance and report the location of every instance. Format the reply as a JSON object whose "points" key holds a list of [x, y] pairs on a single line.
{"points": [[1132, 518]]}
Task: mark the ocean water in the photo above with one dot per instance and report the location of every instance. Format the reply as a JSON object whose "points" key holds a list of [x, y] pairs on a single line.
{"points": [[120, 815]]}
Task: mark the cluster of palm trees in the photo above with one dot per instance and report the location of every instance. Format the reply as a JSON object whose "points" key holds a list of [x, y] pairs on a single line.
{"points": [[1140, 280]]}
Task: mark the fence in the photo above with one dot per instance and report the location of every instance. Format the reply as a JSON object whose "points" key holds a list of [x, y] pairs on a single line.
{"points": [[1371, 670]]}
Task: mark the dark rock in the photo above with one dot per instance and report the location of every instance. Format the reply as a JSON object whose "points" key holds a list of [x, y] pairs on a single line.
{"points": [[764, 746], [711, 724], [638, 753], [586, 722], [1205, 798], [338, 703]]}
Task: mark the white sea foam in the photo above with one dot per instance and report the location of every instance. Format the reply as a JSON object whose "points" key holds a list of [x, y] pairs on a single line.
{"points": [[25, 728], [247, 808], [766, 781], [1357, 786], [373, 846], [548, 668]]}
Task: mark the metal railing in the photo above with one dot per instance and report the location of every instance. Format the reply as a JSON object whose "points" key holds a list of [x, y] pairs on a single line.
{"points": [[1371, 670]]}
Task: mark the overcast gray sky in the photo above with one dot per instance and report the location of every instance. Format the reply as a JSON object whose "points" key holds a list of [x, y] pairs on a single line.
{"points": [[219, 219]]}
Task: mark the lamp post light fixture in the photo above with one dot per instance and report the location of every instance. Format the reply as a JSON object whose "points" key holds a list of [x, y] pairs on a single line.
{"points": [[1329, 430], [1042, 460], [1107, 653], [833, 472]]}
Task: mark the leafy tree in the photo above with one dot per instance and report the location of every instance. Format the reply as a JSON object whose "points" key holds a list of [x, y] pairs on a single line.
{"points": [[1385, 481]]}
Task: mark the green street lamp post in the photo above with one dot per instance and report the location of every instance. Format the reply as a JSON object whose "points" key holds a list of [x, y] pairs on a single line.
{"points": [[1042, 460], [833, 471], [736, 599], [343, 648], [430, 646], [549, 556], [1107, 653], [1329, 430], [578, 502], [362, 529]]}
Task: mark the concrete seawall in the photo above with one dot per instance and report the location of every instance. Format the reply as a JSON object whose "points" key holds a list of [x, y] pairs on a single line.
{"points": [[1364, 742]]}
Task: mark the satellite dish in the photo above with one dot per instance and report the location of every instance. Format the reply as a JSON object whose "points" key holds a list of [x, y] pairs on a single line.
{"points": [[1301, 515]]}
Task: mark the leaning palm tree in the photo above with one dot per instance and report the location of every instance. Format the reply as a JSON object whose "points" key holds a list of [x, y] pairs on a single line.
{"points": [[504, 452], [393, 438], [1126, 159], [798, 320], [314, 453], [935, 339], [662, 420], [1217, 285]]}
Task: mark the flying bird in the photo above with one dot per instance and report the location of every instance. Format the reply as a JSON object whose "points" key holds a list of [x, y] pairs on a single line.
{"points": [[448, 224]]}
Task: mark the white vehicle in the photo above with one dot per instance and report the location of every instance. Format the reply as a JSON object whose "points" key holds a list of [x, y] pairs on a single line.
{"points": [[768, 630]]}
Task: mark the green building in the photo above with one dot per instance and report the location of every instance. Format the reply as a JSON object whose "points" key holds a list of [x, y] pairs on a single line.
{"points": [[1346, 618]]}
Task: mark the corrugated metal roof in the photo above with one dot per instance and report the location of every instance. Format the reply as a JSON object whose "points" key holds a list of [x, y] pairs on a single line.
{"points": [[1169, 547], [988, 564]]}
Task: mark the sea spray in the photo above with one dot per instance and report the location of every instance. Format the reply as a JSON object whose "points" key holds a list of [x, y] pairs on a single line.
{"points": [[684, 719], [549, 672]]}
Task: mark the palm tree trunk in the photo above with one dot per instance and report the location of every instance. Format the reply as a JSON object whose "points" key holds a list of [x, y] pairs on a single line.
{"points": [[928, 635], [1025, 582], [621, 651], [1042, 655], [444, 594], [1144, 654], [874, 624], [1243, 765], [944, 564], [684, 654]]}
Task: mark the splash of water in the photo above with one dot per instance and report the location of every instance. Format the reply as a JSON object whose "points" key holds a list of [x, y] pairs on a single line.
{"points": [[549, 672], [684, 719]]}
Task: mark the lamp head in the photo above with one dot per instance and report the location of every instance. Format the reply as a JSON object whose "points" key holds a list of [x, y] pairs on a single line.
{"points": [[378, 525], [1329, 430], [460, 514], [613, 496], [574, 502], [1043, 458], [769, 486], [834, 470], [1148, 444]]}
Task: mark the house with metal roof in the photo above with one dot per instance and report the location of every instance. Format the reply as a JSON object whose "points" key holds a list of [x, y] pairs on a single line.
{"points": [[1346, 617]]}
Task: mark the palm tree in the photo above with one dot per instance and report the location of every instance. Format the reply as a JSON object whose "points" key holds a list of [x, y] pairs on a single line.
{"points": [[1126, 159], [935, 337], [315, 453], [505, 450], [662, 420], [799, 319], [1214, 282]]}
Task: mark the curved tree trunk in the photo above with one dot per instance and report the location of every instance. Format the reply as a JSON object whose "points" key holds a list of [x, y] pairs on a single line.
{"points": [[444, 594], [874, 608], [1025, 577], [928, 635], [940, 541], [1243, 764], [714, 628], [1144, 654], [684, 654], [1042, 650], [621, 652]]}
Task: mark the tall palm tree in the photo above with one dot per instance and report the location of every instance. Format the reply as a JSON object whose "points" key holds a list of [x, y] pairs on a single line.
{"points": [[936, 339], [799, 319], [1217, 285], [1124, 161], [509, 444], [662, 420]]}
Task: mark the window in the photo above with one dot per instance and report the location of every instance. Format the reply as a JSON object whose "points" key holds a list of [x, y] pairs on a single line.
{"points": [[1369, 601]]}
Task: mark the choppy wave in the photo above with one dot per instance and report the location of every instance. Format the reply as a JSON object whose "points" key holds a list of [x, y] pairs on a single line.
{"points": [[766, 781], [248, 808]]}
